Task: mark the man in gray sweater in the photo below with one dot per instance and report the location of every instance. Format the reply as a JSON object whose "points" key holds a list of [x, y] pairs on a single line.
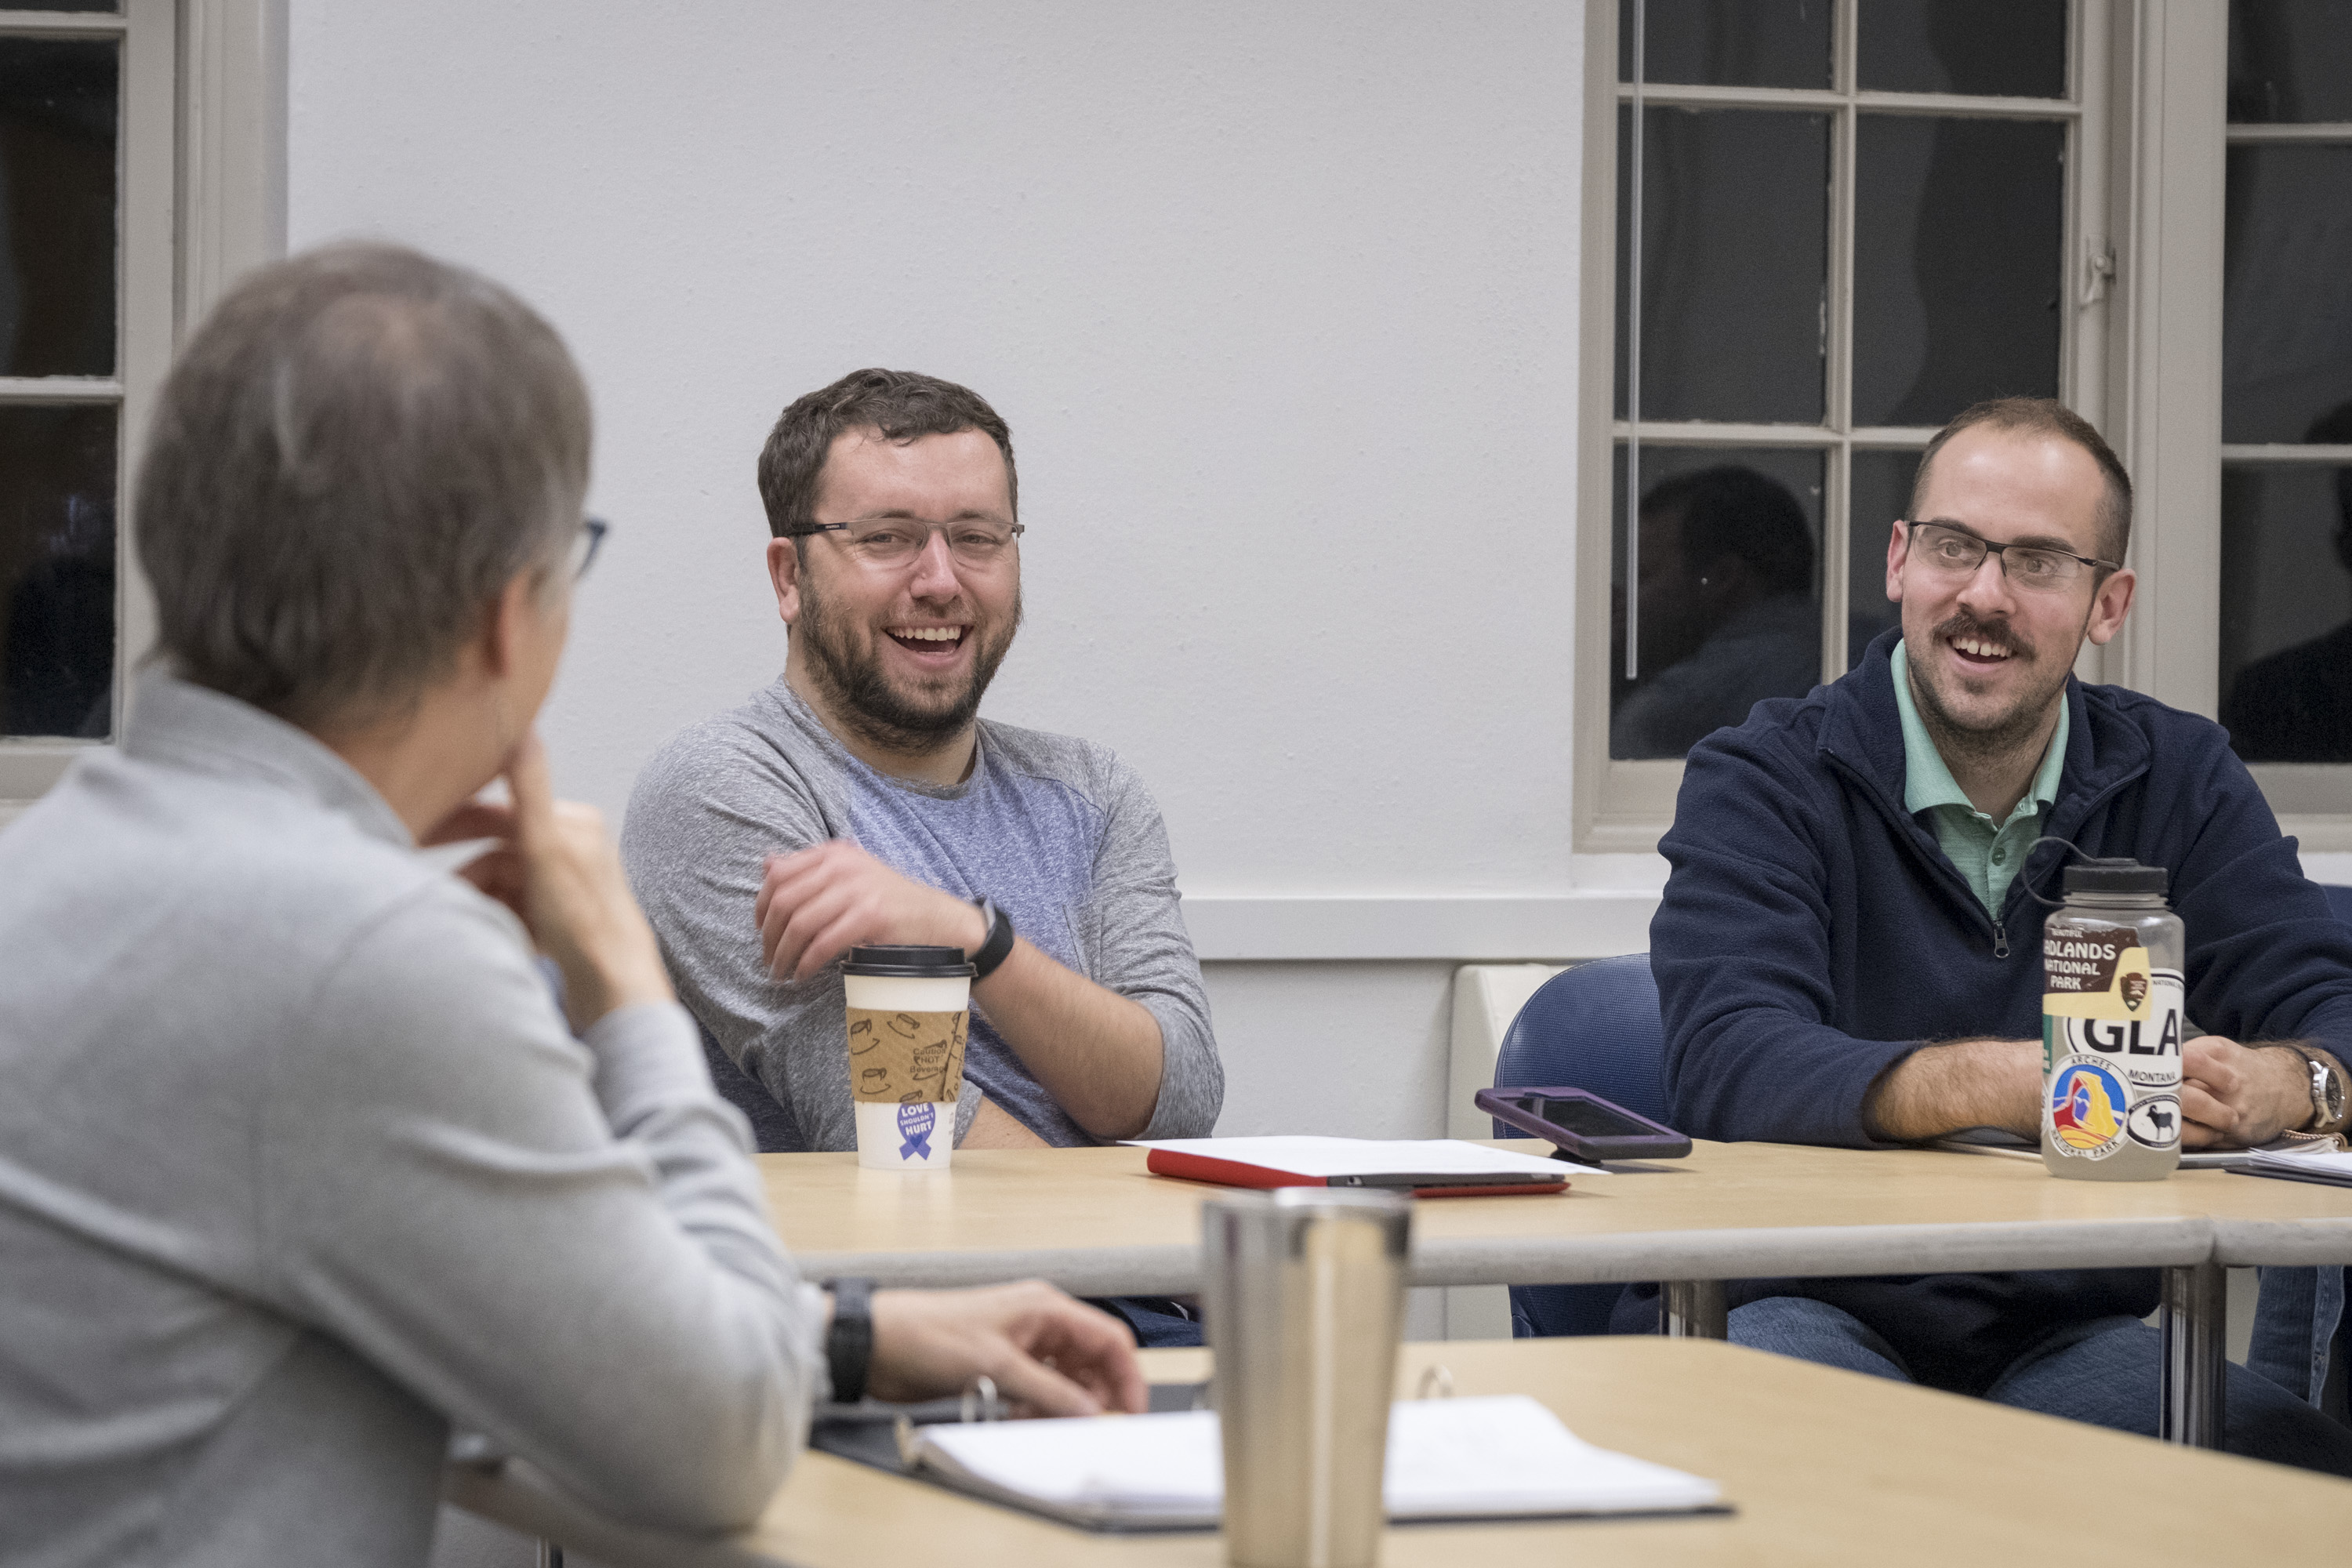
{"points": [[859, 798], [299, 1166]]}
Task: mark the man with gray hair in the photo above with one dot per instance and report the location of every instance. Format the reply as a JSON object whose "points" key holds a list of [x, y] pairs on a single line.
{"points": [[299, 1166]]}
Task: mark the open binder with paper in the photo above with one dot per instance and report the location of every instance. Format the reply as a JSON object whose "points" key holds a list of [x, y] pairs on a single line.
{"points": [[1505, 1457]]}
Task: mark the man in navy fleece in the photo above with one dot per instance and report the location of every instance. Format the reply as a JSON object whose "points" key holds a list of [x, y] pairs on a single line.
{"points": [[1847, 951]]}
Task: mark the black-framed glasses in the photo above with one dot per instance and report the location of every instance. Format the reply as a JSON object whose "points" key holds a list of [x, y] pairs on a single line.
{"points": [[593, 530], [888, 543], [1956, 553]]}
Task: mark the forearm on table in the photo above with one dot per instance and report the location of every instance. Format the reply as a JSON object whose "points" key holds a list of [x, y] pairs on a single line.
{"points": [[1942, 1088], [1098, 1053]]}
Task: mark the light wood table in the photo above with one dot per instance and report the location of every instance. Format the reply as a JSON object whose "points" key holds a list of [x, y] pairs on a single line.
{"points": [[1096, 1223], [1824, 1468]]}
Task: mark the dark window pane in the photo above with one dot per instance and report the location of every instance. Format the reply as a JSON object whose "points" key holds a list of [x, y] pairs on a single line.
{"points": [[1729, 43], [2287, 294], [2286, 613], [1878, 491], [1957, 281], [1730, 591], [1994, 48], [57, 571], [2290, 61], [1735, 260], [56, 207]]}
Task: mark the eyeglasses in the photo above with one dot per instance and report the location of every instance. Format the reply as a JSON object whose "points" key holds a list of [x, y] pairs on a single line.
{"points": [[888, 543], [592, 531], [1955, 552]]}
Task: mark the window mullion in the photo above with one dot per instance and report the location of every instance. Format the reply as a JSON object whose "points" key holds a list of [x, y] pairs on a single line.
{"points": [[2088, 281], [1838, 344]]}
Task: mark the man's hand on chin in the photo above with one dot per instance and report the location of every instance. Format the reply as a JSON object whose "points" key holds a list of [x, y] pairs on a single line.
{"points": [[816, 904], [2239, 1097]]}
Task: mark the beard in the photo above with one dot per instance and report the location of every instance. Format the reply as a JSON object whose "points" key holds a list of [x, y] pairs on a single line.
{"points": [[1993, 737], [864, 697]]}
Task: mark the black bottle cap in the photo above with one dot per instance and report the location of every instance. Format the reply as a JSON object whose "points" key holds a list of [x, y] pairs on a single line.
{"points": [[2122, 875]]}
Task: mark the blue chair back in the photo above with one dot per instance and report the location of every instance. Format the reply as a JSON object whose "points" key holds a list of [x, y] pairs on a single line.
{"points": [[1596, 1027], [1593, 1027]]}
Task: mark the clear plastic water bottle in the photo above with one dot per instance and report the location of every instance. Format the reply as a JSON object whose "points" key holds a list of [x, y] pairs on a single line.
{"points": [[2111, 1026]]}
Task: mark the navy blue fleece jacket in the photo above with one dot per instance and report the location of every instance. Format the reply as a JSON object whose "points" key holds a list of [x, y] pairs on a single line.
{"points": [[1813, 933]]}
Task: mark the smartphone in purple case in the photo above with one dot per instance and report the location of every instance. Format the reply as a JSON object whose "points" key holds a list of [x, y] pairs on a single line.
{"points": [[1583, 1125]]}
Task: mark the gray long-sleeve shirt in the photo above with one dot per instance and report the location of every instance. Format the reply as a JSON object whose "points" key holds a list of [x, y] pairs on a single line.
{"points": [[1057, 832], [298, 1166]]}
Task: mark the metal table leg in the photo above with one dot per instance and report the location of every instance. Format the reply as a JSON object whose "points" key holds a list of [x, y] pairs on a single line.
{"points": [[551, 1555], [2191, 1322], [1694, 1309]]}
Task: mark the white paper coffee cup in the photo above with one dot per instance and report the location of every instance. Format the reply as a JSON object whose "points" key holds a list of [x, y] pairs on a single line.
{"points": [[908, 1013]]}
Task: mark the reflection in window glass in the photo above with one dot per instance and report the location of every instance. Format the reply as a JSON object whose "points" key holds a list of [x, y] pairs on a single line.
{"points": [[56, 207], [2286, 611], [1734, 261], [1729, 593], [57, 571], [1957, 271], [1729, 43], [1878, 493], [1997, 49], [2286, 290], [2286, 61]]}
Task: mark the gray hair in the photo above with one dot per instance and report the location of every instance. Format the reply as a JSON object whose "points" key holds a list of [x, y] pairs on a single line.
{"points": [[354, 455]]}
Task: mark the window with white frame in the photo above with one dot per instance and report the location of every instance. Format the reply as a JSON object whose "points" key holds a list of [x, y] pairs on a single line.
{"points": [[1852, 221], [86, 170], [2284, 656], [140, 169]]}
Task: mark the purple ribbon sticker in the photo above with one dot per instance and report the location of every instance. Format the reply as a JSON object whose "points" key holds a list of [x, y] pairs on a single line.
{"points": [[915, 1124]]}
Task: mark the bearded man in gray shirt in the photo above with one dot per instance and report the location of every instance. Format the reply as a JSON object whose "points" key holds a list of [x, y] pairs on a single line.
{"points": [[299, 1166], [860, 799]]}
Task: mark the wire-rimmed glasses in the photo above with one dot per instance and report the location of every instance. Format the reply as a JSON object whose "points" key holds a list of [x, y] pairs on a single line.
{"points": [[888, 543], [1956, 553]]}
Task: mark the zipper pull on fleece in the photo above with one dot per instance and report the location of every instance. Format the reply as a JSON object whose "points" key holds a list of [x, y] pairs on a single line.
{"points": [[2000, 939]]}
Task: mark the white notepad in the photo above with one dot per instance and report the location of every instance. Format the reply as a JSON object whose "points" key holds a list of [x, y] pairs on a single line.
{"points": [[2327, 1167], [1503, 1457], [2295, 1159]]}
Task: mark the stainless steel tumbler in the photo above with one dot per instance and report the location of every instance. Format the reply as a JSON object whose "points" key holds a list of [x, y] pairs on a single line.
{"points": [[1305, 1300]]}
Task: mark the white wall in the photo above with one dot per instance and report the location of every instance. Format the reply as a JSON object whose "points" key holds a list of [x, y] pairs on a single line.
{"points": [[1280, 302]]}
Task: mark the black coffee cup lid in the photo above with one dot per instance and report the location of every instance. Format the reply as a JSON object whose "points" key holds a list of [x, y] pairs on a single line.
{"points": [[895, 962]]}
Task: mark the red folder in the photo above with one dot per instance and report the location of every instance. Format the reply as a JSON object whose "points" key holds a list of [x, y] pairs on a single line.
{"points": [[1423, 1184]]}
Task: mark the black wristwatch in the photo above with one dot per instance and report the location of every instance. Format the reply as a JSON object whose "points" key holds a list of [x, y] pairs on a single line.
{"points": [[849, 1342], [995, 947]]}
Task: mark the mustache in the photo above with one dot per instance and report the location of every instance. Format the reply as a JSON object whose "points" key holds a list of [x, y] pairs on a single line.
{"points": [[1964, 625]]}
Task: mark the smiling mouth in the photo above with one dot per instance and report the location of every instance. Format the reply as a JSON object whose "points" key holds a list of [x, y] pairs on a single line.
{"points": [[1979, 652], [927, 639]]}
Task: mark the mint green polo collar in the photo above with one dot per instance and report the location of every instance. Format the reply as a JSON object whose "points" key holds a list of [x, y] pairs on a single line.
{"points": [[1927, 779]]}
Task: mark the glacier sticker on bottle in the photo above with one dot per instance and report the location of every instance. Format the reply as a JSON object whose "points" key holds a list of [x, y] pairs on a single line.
{"points": [[2111, 1034]]}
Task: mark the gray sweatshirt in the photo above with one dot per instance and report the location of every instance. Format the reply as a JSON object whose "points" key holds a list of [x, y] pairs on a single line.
{"points": [[298, 1166], [1057, 832]]}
